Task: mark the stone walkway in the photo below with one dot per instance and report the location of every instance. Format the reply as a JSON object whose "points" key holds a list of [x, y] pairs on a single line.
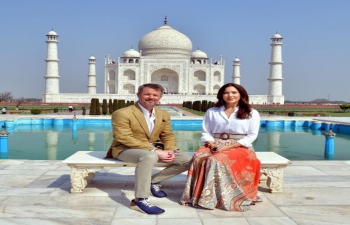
{"points": [[37, 192]]}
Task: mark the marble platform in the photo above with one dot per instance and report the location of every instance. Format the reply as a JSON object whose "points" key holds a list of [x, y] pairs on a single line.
{"points": [[37, 192]]}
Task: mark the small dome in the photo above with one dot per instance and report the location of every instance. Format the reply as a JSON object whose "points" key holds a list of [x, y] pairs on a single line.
{"points": [[199, 54], [277, 36], [165, 40], [236, 60], [92, 57], [132, 53], [52, 33]]}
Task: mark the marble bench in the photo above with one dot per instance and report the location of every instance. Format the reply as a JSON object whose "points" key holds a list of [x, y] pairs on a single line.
{"points": [[84, 164]]}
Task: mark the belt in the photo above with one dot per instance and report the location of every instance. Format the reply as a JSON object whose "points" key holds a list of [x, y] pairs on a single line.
{"points": [[225, 136]]}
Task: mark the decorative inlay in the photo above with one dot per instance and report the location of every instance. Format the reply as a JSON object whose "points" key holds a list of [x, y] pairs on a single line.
{"points": [[171, 67]]}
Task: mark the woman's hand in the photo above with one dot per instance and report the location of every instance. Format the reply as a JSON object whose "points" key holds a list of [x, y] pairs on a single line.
{"points": [[210, 144]]}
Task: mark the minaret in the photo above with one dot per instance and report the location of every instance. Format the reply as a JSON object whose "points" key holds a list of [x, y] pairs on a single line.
{"points": [[236, 76], [275, 78], [51, 144], [92, 75], [52, 76]]}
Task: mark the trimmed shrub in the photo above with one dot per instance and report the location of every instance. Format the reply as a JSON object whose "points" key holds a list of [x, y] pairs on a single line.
{"points": [[291, 113], [189, 105], [211, 104], [35, 111], [92, 107], [104, 107], [84, 110], [204, 106], [115, 104], [98, 107], [197, 105], [55, 110], [121, 103], [110, 106]]}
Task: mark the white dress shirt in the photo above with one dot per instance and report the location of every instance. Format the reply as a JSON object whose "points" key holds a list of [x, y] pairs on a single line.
{"points": [[216, 121], [149, 119]]}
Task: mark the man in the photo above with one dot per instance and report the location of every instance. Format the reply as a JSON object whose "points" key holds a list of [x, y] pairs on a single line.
{"points": [[135, 130], [3, 110]]}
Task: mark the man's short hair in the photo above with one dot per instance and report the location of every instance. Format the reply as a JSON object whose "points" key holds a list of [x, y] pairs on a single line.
{"points": [[153, 86]]}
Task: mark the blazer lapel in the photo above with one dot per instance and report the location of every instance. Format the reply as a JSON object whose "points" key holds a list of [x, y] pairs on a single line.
{"points": [[141, 118], [157, 121]]}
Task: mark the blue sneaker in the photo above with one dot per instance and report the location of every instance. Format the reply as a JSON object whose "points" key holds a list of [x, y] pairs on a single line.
{"points": [[156, 191], [144, 206]]}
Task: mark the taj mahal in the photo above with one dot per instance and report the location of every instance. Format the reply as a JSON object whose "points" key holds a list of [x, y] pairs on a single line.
{"points": [[165, 57]]}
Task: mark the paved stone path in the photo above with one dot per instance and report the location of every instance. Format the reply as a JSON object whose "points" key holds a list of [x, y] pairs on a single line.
{"points": [[36, 192]]}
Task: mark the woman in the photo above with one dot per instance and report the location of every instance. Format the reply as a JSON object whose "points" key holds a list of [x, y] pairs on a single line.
{"points": [[225, 171]]}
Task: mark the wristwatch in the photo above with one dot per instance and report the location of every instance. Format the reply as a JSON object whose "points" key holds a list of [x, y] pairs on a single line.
{"points": [[176, 151]]}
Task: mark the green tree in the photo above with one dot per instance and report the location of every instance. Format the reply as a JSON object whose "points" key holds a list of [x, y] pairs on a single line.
{"points": [[345, 107]]}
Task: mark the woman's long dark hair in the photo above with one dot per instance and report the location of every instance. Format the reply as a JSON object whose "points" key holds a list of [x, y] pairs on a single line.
{"points": [[244, 107]]}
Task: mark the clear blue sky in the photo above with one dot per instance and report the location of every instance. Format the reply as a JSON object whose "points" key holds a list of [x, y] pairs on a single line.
{"points": [[316, 44]]}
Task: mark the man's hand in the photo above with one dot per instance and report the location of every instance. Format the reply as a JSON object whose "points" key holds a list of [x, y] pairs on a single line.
{"points": [[165, 155]]}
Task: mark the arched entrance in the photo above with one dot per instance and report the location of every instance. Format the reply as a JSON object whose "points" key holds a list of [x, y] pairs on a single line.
{"points": [[128, 89], [169, 79]]}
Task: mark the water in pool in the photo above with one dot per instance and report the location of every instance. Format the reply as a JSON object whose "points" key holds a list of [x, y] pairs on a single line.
{"points": [[58, 143]]}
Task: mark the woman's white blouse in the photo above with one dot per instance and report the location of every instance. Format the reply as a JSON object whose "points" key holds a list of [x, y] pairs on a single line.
{"points": [[216, 121]]}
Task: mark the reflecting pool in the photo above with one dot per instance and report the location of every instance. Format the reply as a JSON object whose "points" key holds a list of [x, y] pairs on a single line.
{"points": [[57, 142]]}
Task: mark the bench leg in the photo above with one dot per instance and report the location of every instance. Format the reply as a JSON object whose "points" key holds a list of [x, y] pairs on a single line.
{"points": [[81, 176], [274, 178]]}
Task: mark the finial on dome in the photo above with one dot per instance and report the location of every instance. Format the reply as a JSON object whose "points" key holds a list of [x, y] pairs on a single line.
{"points": [[198, 48], [165, 20]]}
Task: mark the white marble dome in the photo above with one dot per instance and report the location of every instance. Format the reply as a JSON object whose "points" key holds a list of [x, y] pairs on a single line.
{"points": [[52, 33], [277, 36], [132, 53], [165, 40], [236, 60], [92, 57], [198, 54]]}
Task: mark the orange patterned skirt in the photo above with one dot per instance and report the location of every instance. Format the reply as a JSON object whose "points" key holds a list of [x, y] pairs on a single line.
{"points": [[226, 180]]}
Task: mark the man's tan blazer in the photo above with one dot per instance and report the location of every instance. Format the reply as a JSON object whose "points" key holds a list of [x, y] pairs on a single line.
{"points": [[130, 130]]}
